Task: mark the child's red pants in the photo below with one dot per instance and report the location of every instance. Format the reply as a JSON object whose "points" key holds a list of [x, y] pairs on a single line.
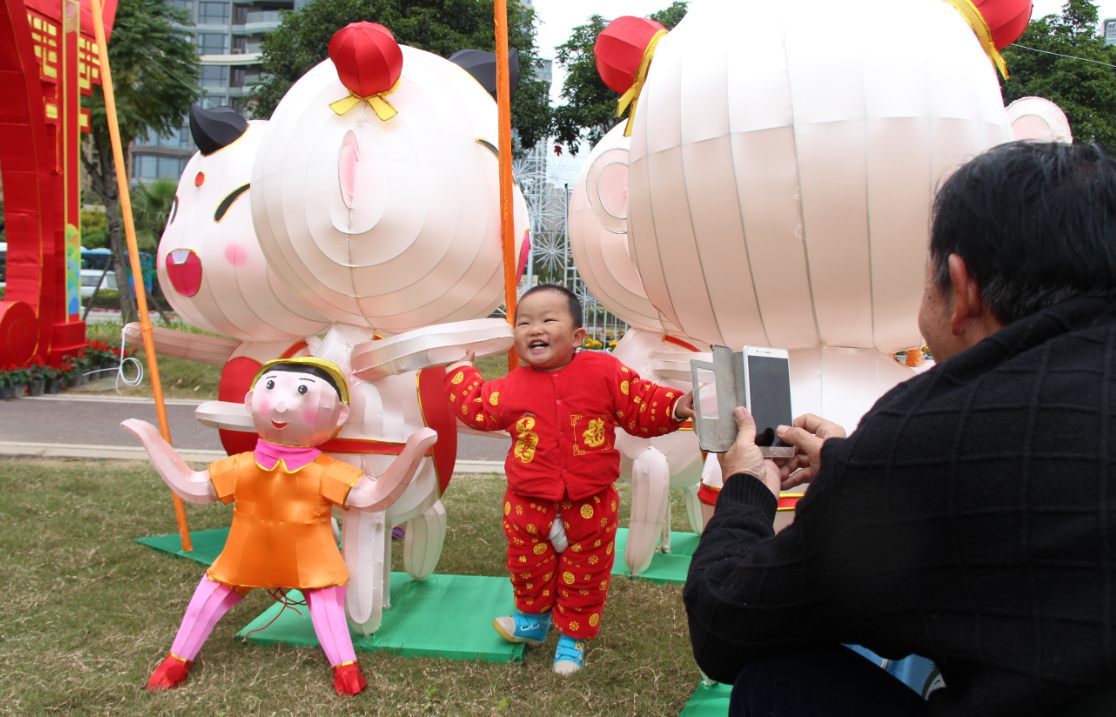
{"points": [[576, 582]]}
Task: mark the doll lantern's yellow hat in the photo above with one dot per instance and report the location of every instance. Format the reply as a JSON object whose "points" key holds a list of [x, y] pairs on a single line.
{"points": [[321, 364]]}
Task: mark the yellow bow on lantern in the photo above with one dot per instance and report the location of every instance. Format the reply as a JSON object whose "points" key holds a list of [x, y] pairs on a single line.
{"points": [[980, 28], [631, 97], [378, 102]]}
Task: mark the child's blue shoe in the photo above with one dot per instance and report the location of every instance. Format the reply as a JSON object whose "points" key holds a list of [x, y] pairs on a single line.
{"points": [[570, 656], [528, 629]]}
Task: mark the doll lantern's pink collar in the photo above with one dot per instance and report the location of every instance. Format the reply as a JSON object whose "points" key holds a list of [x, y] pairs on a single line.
{"points": [[269, 454]]}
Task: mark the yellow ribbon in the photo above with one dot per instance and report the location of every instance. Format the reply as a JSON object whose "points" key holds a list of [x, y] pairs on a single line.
{"points": [[378, 102], [631, 97], [980, 29]]}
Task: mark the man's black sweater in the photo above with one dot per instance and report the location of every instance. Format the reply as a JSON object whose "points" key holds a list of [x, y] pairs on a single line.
{"points": [[971, 519]]}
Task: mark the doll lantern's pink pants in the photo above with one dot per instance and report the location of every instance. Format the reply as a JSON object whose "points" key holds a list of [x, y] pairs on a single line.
{"points": [[213, 599]]}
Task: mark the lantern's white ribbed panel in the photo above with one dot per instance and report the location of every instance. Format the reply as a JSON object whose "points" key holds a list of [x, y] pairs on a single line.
{"points": [[784, 159], [601, 256], [238, 295], [413, 238]]}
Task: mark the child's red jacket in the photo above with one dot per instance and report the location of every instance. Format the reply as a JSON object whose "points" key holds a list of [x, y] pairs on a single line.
{"points": [[562, 423]]}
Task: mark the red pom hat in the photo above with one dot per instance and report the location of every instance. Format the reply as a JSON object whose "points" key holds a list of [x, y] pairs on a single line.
{"points": [[996, 23], [624, 51], [1007, 19], [369, 64]]}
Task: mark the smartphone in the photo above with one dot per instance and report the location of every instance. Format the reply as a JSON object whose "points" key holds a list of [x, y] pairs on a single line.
{"points": [[767, 391]]}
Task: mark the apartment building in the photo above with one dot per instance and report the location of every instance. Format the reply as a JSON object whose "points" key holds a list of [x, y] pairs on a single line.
{"points": [[227, 36]]}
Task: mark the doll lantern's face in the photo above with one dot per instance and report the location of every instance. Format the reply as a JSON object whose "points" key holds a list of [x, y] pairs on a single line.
{"points": [[295, 409]]}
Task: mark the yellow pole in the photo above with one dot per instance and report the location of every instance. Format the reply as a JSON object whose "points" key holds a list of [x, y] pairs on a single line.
{"points": [[133, 253], [507, 208]]}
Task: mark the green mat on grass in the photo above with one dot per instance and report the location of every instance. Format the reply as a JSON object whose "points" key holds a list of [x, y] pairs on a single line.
{"points": [[708, 702], [446, 616], [668, 568], [208, 544]]}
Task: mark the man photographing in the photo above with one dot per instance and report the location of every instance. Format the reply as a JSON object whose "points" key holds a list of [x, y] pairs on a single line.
{"points": [[971, 518]]}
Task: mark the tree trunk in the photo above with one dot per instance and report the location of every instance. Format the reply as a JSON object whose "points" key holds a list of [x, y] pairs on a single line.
{"points": [[103, 178]]}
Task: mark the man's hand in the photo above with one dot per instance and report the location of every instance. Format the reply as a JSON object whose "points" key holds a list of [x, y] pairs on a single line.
{"points": [[807, 435], [745, 455], [684, 407]]}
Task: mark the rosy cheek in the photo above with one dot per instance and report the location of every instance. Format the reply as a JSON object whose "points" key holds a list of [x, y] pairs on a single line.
{"points": [[264, 406], [310, 417], [236, 255]]}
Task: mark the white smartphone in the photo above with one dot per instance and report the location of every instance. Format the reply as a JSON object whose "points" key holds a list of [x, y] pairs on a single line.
{"points": [[767, 391]]}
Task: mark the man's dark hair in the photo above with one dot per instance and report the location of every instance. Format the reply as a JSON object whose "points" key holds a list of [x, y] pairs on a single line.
{"points": [[1035, 223], [305, 368], [571, 299]]}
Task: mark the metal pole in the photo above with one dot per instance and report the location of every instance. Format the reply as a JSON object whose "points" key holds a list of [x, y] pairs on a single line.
{"points": [[133, 254]]}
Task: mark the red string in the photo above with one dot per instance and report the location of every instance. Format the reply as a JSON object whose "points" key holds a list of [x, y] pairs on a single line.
{"points": [[281, 598]]}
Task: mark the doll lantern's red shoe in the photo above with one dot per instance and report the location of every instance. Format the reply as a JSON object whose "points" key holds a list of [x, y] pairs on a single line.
{"points": [[168, 675], [347, 679]]}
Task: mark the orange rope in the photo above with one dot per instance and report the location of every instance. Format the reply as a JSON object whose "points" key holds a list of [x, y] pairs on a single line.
{"points": [[507, 208], [133, 254]]}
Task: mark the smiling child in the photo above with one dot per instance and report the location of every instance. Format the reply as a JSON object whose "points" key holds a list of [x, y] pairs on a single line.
{"points": [[561, 410]]}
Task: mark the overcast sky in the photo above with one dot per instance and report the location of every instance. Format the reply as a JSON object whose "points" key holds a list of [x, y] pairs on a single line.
{"points": [[557, 18]]}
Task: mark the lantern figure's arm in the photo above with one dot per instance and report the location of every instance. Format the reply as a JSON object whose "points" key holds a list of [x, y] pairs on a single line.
{"points": [[376, 495], [190, 486], [225, 415], [215, 350], [430, 346]]}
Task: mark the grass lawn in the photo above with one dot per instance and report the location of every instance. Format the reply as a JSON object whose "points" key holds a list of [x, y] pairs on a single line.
{"points": [[86, 615], [184, 379]]}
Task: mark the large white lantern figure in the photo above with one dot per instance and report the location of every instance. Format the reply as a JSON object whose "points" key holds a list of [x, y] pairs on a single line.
{"points": [[375, 196], [655, 465], [390, 223], [783, 162], [213, 273]]}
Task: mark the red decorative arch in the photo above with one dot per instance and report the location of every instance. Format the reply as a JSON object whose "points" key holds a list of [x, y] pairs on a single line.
{"points": [[39, 56]]}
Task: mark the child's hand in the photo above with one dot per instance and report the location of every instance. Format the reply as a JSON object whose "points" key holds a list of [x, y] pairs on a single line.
{"points": [[684, 409], [469, 355]]}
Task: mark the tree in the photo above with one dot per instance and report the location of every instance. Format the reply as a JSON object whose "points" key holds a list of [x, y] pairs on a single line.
{"points": [[1085, 91], [151, 208], [590, 106], [154, 75], [439, 26]]}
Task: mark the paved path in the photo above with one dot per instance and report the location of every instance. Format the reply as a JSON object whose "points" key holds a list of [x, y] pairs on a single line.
{"points": [[89, 427]]}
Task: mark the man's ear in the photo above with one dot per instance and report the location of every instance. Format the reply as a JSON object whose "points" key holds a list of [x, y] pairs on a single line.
{"points": [[967, 303], [248, 402]]}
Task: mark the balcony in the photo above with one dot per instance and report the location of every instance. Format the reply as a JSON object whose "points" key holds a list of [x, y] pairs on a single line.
{"points": [[264, 21]]}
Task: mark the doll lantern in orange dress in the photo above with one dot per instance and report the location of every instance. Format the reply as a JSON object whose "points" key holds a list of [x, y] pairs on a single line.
{"points": [[284, 492]]}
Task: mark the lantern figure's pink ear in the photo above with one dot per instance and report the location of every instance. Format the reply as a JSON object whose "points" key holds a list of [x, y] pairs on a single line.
{"points": [[1007, 19], [607, 186]]}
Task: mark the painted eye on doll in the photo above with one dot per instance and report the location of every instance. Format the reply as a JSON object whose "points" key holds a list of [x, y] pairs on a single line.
{"points": [[302, 390], [270, 384]]}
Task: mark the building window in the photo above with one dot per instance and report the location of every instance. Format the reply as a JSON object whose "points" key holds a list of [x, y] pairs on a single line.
{"points": [[214, 76], [240, 44], [212, 44], [176, 139], [238, 74], [1110, 32], [240, 14], [187, 5], [213, 13], [147, 167]]}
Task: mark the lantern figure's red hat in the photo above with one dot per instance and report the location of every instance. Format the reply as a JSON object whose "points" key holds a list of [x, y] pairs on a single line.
{"points": [[1007, 19], [368, 59], [620, 48]]}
